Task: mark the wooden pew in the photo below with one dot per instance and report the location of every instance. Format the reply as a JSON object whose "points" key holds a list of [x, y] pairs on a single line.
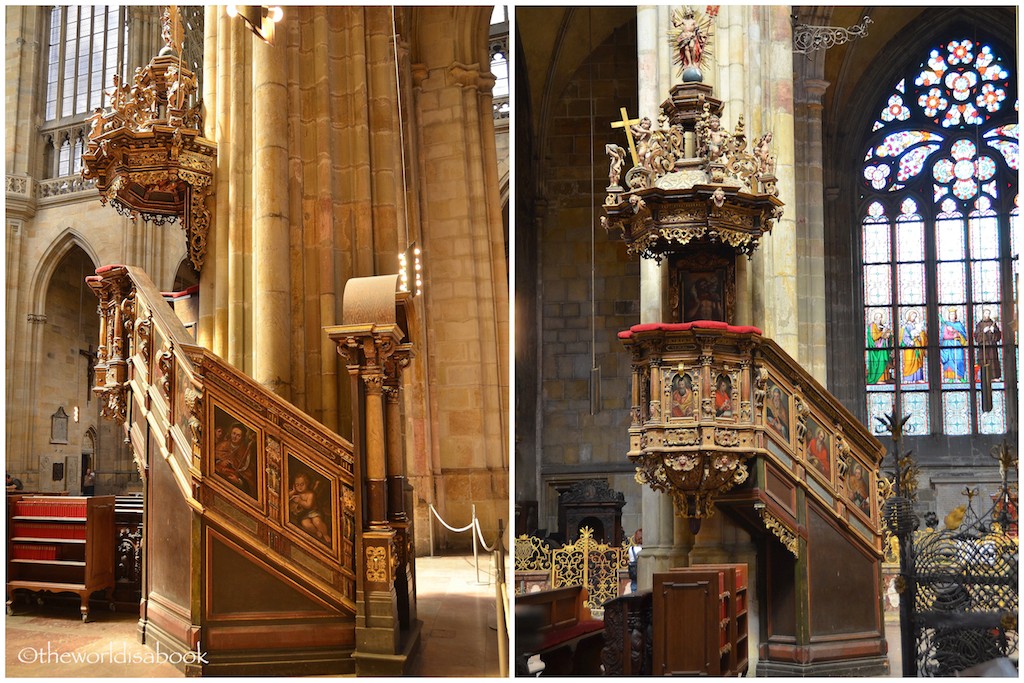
{"points": [[565, 636]]}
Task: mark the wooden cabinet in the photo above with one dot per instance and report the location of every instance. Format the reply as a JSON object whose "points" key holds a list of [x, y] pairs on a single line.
{"points": [[736, 612], [700, 621], [60, 544]]}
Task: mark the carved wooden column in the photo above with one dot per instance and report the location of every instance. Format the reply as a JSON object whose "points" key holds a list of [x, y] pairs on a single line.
{"points": [[395, 461], [376, 469], [375, 348]]}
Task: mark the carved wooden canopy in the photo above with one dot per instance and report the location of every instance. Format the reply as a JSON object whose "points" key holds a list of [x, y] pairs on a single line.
{"points": [[692, 181], [147, 151]]}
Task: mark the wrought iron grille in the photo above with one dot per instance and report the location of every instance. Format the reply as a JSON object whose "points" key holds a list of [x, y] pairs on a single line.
{"points": [[585, 562], [965, 598]]}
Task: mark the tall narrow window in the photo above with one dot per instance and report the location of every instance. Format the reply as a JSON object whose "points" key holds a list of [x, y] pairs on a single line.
{"points": [[938, 218], [82, 57], [499, 60]]}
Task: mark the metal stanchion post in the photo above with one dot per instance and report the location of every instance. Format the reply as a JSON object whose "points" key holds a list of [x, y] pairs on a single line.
{"points": [[430, 527], [476, 556]]}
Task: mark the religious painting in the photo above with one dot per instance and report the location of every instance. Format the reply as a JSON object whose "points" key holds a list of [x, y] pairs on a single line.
{"points": [[878, 340], [702, 284], [913, 343], [235, 452], [859, 488], [723, 396], [682, 397], [953, 345], [776, 410], [704, 295], [819, 448], [310, 501]]}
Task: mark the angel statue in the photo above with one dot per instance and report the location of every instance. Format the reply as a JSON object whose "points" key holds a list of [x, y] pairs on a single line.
{"points": [[689, 40], [618, 157]]}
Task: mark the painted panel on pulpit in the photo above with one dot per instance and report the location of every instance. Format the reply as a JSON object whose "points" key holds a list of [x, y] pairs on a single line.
{"points": [[859, 488], [702, 284], [683, 398], [776, 410], [236, 452], [310, 501], [704, 295], [819, 448]]}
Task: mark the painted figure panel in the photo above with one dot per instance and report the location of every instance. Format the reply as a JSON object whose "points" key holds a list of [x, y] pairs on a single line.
{"points": [[235, 452], [776, 410], [309, 501], [819, 448]]}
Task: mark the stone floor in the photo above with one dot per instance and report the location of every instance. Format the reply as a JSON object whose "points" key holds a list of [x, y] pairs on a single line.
{"points": [[458, 636]]}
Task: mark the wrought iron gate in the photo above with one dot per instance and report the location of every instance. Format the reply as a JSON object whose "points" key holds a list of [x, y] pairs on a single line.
{"points": [[965, 590], [585, 562], [958, 580]]}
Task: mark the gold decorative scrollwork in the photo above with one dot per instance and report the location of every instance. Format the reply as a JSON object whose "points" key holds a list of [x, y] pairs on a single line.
{"points": [[682, 437], [786, 536], [166, 368], [727, 437], [532, 555], [376, 564]]}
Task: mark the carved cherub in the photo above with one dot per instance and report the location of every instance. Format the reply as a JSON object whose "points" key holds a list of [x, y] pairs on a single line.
{"points": [[617, 156], [95, 127], [642, 134], [117, 95], [765, 159]]}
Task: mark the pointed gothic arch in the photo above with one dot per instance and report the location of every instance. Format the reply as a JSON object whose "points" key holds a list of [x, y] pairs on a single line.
{"points": [[60, 247]]}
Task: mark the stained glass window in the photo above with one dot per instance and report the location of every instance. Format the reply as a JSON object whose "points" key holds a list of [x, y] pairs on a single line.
{"points": [[939, 242]]}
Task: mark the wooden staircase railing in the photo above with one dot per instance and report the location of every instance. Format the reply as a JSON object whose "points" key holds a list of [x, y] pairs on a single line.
{"points": [[252, 514]]}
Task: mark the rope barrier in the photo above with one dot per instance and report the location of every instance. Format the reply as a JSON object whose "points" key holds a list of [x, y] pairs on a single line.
{"points": [[479, 536], [449, 527]]}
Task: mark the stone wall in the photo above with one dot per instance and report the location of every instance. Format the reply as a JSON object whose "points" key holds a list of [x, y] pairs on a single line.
{"points": [[575, 333]]}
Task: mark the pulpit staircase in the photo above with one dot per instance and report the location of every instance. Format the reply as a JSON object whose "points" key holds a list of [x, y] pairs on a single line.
{"points": [[239, 564], [723, 418]]}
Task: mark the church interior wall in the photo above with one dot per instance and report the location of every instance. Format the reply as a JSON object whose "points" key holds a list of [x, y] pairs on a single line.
{"points": [[574, 333]]}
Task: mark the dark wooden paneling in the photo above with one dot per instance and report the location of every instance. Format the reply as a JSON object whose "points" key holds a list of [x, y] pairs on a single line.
{"points": [[781, 597], [239, 586], [686, 622], [843, 581], [169, 534]]}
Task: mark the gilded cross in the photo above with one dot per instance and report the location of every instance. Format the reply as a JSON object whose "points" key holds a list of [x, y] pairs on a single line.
{"points": [[626, 122]]}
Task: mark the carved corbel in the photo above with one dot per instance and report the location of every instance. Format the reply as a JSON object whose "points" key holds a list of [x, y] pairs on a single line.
{"points": [[145, 330], [166, 363], [786, 536], [760, 388]]}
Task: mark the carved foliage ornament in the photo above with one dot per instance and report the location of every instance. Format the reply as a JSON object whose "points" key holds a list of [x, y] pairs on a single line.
{"points": [[786, 536], [693, 479]]}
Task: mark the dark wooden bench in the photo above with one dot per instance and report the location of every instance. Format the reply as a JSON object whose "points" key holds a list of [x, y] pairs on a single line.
{"points": [[560, 629]]}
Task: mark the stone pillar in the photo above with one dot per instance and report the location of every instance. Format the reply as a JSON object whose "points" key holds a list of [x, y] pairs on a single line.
{"points": [[654, 62], [811, 224], [271, 257], [465, 268]]}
